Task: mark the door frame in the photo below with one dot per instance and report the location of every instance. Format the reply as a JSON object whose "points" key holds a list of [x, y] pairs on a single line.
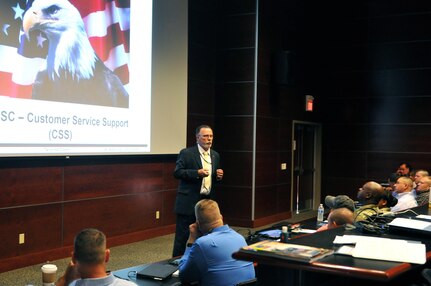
{"points": [[317, 174]]}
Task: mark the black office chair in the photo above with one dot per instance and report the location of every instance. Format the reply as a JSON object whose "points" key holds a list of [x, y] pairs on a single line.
{"points": [[251, 282]]}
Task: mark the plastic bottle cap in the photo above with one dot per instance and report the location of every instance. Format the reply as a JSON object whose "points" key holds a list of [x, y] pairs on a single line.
{"points": [[284, 229]]}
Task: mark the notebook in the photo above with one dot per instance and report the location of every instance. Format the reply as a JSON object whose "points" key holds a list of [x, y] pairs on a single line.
{"points": [[157, 271]]}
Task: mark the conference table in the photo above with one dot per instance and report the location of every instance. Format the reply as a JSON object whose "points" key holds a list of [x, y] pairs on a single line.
{"points": [[341, 269], [331, 270]]}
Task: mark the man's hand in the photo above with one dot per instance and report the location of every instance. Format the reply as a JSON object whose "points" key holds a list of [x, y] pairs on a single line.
{"points": [[203, 173], [194, 233], [70, 275], [219, 173]]}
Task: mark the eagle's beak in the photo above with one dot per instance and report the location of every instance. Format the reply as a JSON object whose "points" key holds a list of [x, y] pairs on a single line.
{"points": [[31, 17]]}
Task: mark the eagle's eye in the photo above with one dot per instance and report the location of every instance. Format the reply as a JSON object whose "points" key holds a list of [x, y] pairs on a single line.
{"points": [[52, 10]]}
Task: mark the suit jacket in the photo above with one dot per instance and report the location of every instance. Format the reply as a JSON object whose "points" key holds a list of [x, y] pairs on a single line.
{"points": [[186, 170]]}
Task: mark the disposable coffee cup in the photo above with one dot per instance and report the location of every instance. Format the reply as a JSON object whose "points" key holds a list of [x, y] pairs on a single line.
{"points": [[49, 272]]}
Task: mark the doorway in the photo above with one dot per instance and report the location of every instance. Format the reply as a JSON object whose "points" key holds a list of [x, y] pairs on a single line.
{"points": [[306, 162]]}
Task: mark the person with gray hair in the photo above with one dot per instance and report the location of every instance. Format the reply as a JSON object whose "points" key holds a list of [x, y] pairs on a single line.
{"points": [[423, 190], [88, 264], [208, 256]]}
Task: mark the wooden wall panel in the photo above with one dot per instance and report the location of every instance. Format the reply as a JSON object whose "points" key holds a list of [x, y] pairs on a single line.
{"points": [[26, 186], [82, 182], [235, 98], [267, 132], [343, 186], [236, 133], [201, 63], [382, 164], [266, 201], [377, 92], [235, 204], [236, 166], [343, 137], [41, 226], [238, 31], [232, 7], [114, 215], [399, 138], [238, 65], [201, 94], [283, 193], [345, 164], [267, 166]]}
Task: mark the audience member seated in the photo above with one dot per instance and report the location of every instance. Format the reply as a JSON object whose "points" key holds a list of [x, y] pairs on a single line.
{"points": [[417, 176], [208, 256], [386, 202], [403, 192], [338, 217], [88, 265], [340, 201], [423, 190], [404, 169], [369, 197]]}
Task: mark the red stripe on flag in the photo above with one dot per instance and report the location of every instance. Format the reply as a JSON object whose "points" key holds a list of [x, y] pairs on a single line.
{"points": [[115, 37], [86, 7], [11, 89]]}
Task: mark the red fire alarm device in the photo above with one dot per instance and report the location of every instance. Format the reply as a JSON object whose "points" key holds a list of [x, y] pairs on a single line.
{"points": [[309, 103]]}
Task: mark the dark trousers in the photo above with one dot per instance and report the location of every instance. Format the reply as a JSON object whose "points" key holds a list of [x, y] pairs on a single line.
{"points": [[182, 233]]}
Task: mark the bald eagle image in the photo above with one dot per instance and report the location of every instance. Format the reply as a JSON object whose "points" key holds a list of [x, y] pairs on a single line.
{"points": [[73, 72]]}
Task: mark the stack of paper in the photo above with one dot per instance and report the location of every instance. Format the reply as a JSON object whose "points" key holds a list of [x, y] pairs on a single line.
{"points": [[382, 248]]}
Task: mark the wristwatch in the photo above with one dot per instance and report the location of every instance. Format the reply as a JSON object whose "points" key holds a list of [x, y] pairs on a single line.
{"points": [[189, 244]]}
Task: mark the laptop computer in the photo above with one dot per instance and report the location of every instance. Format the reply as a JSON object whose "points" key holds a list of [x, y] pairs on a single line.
{"points": [[157, 271]]}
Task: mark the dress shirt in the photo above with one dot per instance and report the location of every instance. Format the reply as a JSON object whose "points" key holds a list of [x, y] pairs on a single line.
{"points": [[204, 191], [406, 200], [209, 260]]}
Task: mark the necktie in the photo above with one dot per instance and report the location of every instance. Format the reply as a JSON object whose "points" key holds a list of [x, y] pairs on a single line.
{"points": [[207, 165]]}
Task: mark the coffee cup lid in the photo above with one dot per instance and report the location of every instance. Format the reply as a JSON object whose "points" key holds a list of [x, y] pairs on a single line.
{"points": [[49, 268]]}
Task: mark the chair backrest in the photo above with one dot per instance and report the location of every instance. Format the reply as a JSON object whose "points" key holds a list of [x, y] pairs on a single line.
{"points": [[251, 282]]}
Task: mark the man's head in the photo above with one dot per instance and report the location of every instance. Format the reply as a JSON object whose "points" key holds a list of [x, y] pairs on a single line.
{"points": [[419, 174], [340, 201], [404, 169], [403, 185], [90, 247], [208, 215], [370, 193], [204, 136], [388, 200], [424, 184], [339, 217]]}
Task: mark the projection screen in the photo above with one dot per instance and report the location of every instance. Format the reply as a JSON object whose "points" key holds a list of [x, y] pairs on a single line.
{"points": [[96, 77]]}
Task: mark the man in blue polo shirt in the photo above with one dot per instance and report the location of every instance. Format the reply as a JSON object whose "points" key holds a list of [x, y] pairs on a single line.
{"points": [[208, 256]]}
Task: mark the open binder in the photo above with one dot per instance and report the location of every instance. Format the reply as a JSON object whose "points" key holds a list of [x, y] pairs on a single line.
{"points": [[288, 251]]}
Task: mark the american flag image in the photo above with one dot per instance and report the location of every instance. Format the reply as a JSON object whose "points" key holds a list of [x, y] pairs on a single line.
{"points": [[107, 23]]}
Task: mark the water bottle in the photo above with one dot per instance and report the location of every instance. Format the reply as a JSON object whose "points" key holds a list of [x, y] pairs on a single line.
{"points": [[320, 211], [284, 234]]}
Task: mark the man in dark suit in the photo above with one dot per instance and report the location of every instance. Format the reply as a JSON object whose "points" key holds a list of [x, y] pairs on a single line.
{"points": [[198, 169]]}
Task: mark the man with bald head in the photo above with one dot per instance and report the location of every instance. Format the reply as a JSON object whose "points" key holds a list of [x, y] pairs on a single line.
{"points": [[403, 192], [340, 217], [208, 256], [368, 196]]}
